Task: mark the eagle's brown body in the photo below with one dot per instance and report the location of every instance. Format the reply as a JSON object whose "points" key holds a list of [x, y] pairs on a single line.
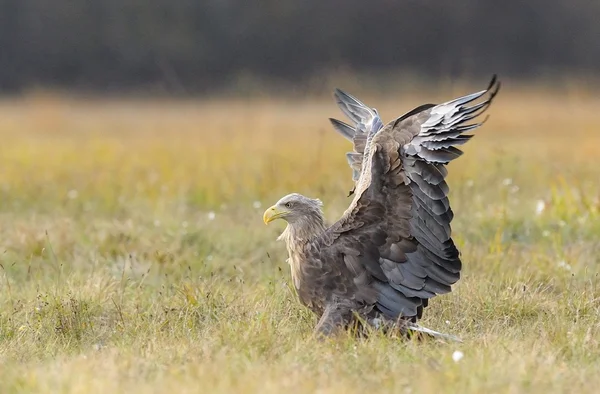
{"points": [[392, 249]]}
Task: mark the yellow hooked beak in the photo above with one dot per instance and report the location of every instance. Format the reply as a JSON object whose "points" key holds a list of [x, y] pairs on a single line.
{"points": [[273, 213]]}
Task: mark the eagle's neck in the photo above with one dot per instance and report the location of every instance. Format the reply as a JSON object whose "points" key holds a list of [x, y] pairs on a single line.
{"points": [[302, 230], [296, 235]]}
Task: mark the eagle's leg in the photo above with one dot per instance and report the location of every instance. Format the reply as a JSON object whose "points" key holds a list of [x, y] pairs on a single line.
{"points": [[334, 317]]}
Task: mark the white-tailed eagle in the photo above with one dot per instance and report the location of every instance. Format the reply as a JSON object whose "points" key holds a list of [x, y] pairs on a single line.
{"points": [[392, 250]]}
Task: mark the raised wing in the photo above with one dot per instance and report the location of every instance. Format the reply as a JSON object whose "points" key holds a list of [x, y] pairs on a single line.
{"points": [[395, 238], [366, 121]]}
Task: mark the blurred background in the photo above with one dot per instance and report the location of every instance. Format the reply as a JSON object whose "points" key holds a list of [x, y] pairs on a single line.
{"points": [[142, 140], [194, 47]]}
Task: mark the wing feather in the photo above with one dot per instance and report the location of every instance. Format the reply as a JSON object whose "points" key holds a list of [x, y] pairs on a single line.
{"points": [[344, 129], [364, 119]]}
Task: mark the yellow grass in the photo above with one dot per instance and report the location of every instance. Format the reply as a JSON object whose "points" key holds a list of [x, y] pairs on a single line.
{"points": [[115, 279]]}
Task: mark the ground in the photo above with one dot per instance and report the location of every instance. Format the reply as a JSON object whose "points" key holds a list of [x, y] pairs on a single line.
{"points": [[134, 257]]}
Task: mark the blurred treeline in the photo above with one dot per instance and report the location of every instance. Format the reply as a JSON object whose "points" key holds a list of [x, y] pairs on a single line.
{"points": [[199, 45]]}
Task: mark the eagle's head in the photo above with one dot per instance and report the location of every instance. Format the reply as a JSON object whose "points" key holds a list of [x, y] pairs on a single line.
{"points": [[293, 208]]}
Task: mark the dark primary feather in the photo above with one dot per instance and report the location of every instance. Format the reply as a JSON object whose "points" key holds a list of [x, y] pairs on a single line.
{"points": [[344, 129], [393, 245]]}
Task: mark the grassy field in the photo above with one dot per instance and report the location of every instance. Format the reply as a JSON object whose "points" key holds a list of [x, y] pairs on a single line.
{"points": [[134, 257]]}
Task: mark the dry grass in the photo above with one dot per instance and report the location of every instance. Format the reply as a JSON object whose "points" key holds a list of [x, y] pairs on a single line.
{"points": [[135, 259]]}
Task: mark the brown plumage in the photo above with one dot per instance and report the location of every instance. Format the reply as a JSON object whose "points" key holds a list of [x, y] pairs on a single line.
{"points": [[392, 250]]}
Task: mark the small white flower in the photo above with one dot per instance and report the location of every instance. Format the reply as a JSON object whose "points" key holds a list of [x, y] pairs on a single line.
{"points": [[540, 206], [211, 215], [157, 223], [457, 356], [256, 204], [470, 183], [562, 223], [507, 182], [545, 233], [73, 194], [209, 257], [563, 264], [448, 322], [376, 322]]}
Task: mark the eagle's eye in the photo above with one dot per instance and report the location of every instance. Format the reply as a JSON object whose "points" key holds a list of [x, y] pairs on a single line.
{"points": [[288, 204]]}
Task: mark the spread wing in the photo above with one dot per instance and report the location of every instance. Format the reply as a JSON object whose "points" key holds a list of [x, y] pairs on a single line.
{"points": [[394, 241], [366, 121]]}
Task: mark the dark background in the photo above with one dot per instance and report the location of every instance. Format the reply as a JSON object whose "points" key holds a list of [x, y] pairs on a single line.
{"points": [[198, 46]]}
